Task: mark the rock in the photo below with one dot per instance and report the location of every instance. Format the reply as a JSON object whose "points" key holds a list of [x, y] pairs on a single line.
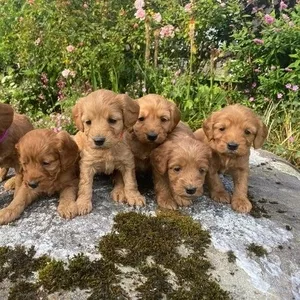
{"points": [[274, 276]]}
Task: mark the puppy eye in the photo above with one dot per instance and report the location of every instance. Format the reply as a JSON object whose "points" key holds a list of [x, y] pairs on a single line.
{"points": [[177, 169], [141, 119], [45, 163], [247, 132], [88, 122], [164, 119], [222, 128], [112, 121], [202, 171]]}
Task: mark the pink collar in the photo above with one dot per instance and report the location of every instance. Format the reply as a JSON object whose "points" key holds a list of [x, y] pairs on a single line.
{"points": [[3, 136]]}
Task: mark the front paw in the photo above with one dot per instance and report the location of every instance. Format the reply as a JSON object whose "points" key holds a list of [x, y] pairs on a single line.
{"points": [[135, 199], [166, 203], [6, 216], [181, 201], [241, 204], [68, 211], [10, 184], [84, 206], [220, 196], [118, 194]]}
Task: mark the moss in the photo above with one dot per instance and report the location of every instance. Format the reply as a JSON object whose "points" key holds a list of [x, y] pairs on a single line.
{"points": [[231, 256], [134, 238], [257, 250], [23, 291]]}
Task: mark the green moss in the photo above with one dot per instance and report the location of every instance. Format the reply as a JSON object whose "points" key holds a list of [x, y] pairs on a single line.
{"points": [[257, 250], [23, 291], [231, 256], [134, 239]]}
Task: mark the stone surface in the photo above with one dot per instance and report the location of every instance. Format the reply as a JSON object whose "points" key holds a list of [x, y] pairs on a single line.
{"points": [[273, 185]]}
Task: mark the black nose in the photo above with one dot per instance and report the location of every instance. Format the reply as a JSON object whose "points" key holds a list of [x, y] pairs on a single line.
{"points": [[99, 140], [152, 136], [232, 146], [190, 190], [33, 184]]}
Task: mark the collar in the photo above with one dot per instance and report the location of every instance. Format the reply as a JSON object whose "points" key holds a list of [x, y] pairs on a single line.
{"points": [[3, 136]]}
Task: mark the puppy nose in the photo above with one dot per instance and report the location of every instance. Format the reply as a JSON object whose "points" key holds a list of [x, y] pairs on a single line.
{"points": [[99, 140], [152, 136], [190, 190], [33, 184], [232, 146]]}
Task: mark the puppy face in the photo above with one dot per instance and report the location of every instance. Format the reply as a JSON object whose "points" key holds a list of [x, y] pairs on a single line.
{"points": [[103, 116], [185, 163], [6, 117], [157, 118], [232, 130], [43, 156]]}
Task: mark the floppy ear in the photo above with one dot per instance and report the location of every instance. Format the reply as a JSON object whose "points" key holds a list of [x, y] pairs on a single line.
{"points": [[159, 158], [130, 110], [6, 116], [175, 116], [208, 126], [261, 135], [67, 148], [76, 114]]}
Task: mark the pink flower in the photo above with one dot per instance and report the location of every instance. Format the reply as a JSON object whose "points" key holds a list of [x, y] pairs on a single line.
{"points": [[85, 5], [138, 4], [291, 139], [285, 17], [70, 48], [37, 41], [288, 85], [258, 41], [144, 90], [177, 73], [282, 5], [254, 84], [291, 24], [140, 14], [288, 69], [188, 7], [167, 31], [273, 68], [279, 95], [222, 4], [251, 99], [295, 88], [269, 19], [257, 70], [157, 17], [30, 2], [44, 79]]}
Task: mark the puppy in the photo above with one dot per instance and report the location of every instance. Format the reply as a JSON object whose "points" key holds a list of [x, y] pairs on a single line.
{"points": [[179, 168], [157, 118], [12, 127], [49, 164], [230, 133], [102, 117]]}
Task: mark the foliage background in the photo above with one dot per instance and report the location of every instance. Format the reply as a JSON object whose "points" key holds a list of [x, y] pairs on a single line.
{"points": [[203, 54]]}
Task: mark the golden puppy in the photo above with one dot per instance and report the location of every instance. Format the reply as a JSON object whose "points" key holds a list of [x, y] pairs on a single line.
{"points": [[49, 164], [230, 133], [179, 168], [157, 118], [102, 117], [12, 127]]}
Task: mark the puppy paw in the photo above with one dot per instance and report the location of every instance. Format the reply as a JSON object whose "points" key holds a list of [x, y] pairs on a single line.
{"points": [[6, 216], [135, 199], [68, 211], [181, 201], [118, 194], [241, 204], [10, 184], [220, 196], [3, 173], [84, 207], [166, 203]]}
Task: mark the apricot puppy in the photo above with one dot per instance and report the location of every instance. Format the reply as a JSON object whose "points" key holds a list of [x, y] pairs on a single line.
{"points": [[157, 118], [102, 117], [49, 164], [230, 133], [12, 127], [179, 168]]}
